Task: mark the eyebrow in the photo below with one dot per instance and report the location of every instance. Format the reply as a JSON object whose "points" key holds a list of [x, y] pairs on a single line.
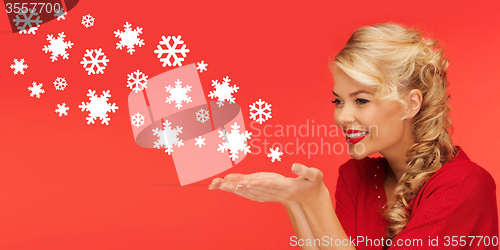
{"points": [[355, 93]]}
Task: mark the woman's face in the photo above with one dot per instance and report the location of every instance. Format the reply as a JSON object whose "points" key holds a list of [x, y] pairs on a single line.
{"points": [[370, 125]]}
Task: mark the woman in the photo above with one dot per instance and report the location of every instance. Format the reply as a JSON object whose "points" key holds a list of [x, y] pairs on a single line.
{"points": [[390, 97]]}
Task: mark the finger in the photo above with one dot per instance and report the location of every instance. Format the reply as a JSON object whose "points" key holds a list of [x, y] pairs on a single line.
{"points": [[215, 183], [234, 177], [311, 174], [228, 186], [217, 180]]}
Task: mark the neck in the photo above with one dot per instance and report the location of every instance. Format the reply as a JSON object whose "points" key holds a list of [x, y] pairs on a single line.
{"points": [[396, 154]]}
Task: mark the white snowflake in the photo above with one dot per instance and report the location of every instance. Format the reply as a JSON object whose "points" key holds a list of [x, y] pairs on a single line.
{"points": [[223, 91], [29, 31], [129, 38], [171, 50], [62, 109], [200, 141], [61, 14], [28, 21], [168, 137], [178, 94], [19, 66], [260, 111], [60, 83], [57, 46], [202, 66], [234, 141], [36, 89], [98, 107], [275, 154], [137, 120], [137, 81], [88, 21], [94, 61], [202, 115]]}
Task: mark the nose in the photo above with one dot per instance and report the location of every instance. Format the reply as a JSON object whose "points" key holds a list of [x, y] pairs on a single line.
{"points": [[345, 116]]}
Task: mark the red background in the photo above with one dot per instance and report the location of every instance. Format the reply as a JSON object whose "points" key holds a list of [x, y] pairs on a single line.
{"points": [[68, 185]]}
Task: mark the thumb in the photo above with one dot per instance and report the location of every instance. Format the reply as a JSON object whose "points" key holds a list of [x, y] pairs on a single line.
{"points": [[311, 174]]}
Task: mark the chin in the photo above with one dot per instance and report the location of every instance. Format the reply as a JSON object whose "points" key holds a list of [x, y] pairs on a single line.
{"points": [[357, 156], [358, 152]]}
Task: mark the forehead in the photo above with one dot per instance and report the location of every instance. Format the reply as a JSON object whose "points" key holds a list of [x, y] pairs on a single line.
{"points": [[343, 84]]}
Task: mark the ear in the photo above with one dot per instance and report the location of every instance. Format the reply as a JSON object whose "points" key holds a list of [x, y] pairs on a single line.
{"points": [[414, 103]]}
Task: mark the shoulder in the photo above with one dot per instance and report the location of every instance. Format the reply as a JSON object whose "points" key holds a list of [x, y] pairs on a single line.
{"points": [[463, 177], [462, 168], [456, 199]]}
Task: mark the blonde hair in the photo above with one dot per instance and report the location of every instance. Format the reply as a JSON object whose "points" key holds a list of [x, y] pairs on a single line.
{"points": [[396, 60]]}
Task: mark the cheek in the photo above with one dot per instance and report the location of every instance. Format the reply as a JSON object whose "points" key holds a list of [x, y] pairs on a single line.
{"points": [[388, 130], [386, 125]]}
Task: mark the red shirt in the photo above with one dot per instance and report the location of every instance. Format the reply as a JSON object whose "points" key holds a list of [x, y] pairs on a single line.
{"points": [[455, 204]]}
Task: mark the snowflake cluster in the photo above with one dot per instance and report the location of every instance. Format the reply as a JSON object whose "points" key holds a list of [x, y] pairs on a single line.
{"points": [[88, 21], [19, 66], [137, 81], [234, 141], [137, 120], [202, 66], [36, 90], [60, 83], [129, 38], [202, 115], [28, 22], [260, 111], [200, 141], [62, 109], [168, 137], [98, 107], [171, 51], [223, 92], [178, 94], [57, 46], [94, 61], [275, 154]]}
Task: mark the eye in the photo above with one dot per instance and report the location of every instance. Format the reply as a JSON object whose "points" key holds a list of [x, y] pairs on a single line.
{"points": [[362, 101], [337, 101]]}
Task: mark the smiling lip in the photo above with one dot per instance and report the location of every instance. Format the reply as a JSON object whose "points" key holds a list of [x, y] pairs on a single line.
{"points": [[350, 131], [354, 140]]}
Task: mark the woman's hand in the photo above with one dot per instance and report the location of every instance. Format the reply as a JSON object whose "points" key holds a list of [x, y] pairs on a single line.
{"points": [[266, 187], [233, 182]]}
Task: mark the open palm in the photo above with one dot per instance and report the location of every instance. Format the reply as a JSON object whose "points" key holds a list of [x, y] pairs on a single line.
{"points": [[272, 187]]}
